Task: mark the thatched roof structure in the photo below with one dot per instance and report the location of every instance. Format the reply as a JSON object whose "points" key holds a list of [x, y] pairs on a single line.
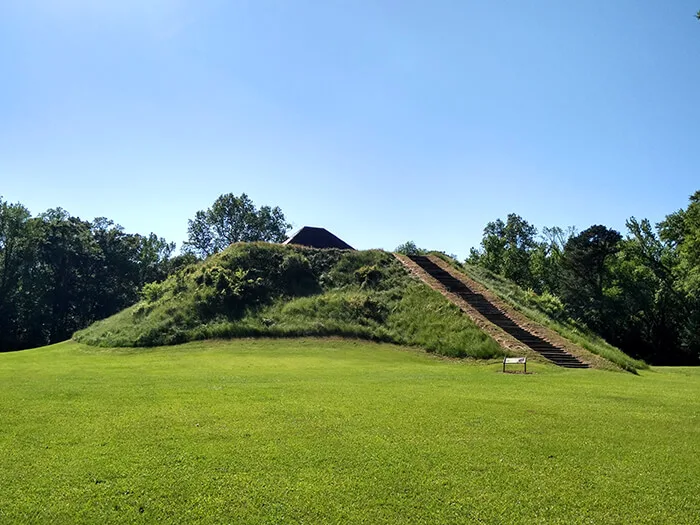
{"points": [[317, 238]]}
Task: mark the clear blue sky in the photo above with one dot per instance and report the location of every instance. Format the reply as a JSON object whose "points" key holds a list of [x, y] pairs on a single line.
{"points": [[382, 120]]}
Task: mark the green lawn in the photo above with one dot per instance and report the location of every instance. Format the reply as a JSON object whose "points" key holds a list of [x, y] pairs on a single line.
{"points": [[294, 431]]}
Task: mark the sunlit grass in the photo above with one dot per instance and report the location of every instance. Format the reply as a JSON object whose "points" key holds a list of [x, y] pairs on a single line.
{"points": [[324, 431]]}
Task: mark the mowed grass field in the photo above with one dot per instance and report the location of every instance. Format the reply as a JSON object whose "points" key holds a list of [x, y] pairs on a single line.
{"points": [[331, 431]]}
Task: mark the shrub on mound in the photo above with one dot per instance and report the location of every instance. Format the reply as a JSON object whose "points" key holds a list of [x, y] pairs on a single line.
{"points": [[260, 289]]}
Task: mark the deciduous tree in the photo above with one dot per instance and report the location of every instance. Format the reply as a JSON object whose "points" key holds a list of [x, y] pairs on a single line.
{"points": [[59, 273], [507, 248], [409, 248], [586, 274], [233, 219]]}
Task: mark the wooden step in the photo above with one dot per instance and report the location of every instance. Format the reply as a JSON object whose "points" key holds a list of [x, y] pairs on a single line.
{"points": [[493, 314]]}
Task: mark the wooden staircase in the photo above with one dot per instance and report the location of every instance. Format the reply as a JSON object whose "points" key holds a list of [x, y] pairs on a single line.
{"points": [[482, 305]]}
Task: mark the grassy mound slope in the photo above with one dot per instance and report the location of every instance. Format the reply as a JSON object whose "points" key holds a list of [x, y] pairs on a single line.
{"points": [[548, 311], [309, 431], [258, 289]]}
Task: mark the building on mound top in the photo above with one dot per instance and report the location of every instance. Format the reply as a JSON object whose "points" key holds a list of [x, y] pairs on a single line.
{"points": [[317, 238]]}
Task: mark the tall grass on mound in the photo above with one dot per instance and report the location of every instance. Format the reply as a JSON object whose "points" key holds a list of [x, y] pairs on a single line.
{"points": [[546, 309], [256, 290]]}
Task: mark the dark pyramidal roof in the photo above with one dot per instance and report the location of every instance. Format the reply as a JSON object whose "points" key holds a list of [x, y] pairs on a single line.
{"points": [[317, 238]]}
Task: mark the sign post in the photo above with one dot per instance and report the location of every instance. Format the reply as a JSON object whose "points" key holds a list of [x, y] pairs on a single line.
{"points": [[515, 361]]}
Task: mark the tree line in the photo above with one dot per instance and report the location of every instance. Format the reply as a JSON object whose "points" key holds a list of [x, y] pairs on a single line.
{"points": [[640, 291], [59, 273]]}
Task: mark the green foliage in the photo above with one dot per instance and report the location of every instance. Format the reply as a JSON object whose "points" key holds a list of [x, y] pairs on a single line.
{"points": [[680, 233], [151, 292], [331, 431], [549, 304], [15, 249], [641, 293], [59, 273], [297, 276], [260, 289], [511, 249], [409, 248], [233, 219], [546, 259], [587, 274], [507, 248], [645, 309], [368, 276]]}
